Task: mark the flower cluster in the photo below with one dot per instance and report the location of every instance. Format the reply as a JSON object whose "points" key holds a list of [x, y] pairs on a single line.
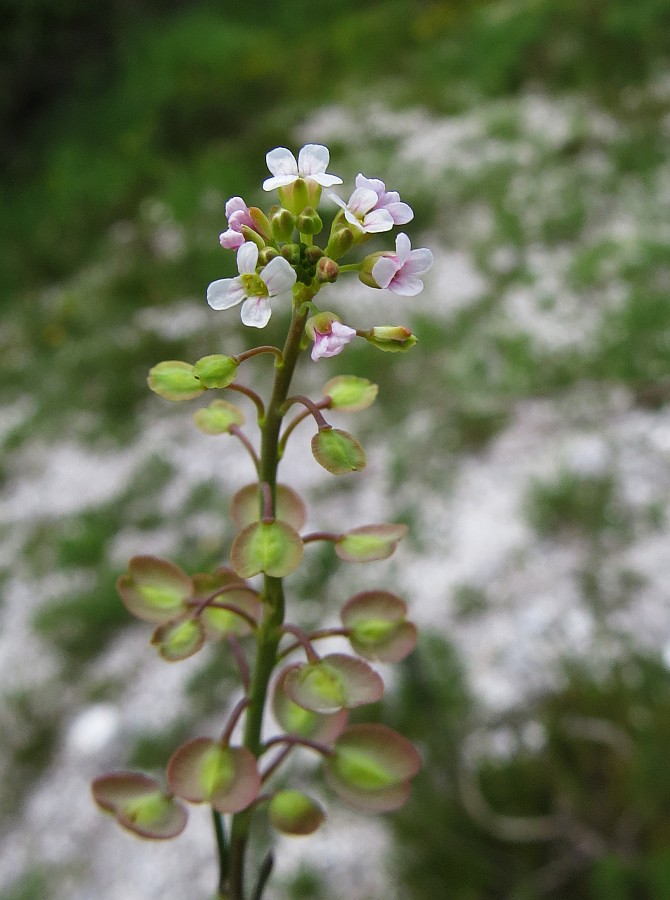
{"points": [[277, 251], [240, 606]]}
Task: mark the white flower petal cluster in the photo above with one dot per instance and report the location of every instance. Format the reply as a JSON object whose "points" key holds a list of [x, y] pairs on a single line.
{"points": [[255, 291], [312, 163]]}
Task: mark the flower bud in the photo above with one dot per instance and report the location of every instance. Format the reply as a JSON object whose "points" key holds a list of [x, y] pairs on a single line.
{"points": [[282, 223], [391, 338], [365, 272], [341, 241], [327, 270], [291, 252], [313, 254], [295, 196], [261, 222], [266, 254], [309, 221], [250, 235]]}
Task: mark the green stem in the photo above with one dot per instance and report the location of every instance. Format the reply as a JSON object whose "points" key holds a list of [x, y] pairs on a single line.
{"points": [[269, 632]]}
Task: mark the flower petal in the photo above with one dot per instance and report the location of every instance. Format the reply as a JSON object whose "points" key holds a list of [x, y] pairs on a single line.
{"points": [[419, 262], [373, 184], [401, 213], [231, 240], [403, 248], [247, 257], [225, 292], [313, 159], [235, 204], [378, 220], [256, 312], [278, 275], [280, 181], [282, 162], [406, 285], [362, 201], [384, 270]]}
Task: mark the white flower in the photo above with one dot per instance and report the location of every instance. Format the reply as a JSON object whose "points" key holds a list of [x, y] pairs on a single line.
{"points": [[311, 165], [401, 213], [361, 211], [275, 281], [399, 271]]}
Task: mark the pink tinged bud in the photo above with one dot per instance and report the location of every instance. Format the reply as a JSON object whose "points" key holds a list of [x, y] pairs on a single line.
{"points": [[239, 216], [330, 336], [400, 271], [327, 270]]}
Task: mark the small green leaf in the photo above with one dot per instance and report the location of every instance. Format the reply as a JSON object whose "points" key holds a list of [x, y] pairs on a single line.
{"points": [[270, 547], [294, 719], [337, 451], [378, 626], [350, 393], [216, 371], [202, 770], [293, 812], [369, 542], [179, 640], [337, 681], [218, 417], [174, 380], [140, 805], [371, 768], [154, 590]]}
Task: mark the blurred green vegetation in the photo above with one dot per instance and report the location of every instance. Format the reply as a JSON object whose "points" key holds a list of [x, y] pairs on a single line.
{"points": [[567, 797]]}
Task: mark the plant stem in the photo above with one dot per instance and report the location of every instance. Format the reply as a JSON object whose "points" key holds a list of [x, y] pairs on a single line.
{"points": [[269, 632]]}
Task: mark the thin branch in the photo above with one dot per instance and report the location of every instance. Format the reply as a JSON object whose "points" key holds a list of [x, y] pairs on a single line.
{"points": [[312, 407], [303, 641], [316, 636], [277, 762], [295, 740], [293, 424], [252, 395], [240, 659], [321, 536], [249, 447], [256, 350], [238, 709]]}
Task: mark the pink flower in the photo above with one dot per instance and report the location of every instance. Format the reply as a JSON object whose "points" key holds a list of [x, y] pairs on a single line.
{"points": [[311, 165], [401, 213], [330, 336], [275, 281], [237, 213], [399, 271], [362, 211]]}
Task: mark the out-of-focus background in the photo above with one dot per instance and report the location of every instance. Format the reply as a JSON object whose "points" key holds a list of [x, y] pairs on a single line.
{"points": [[526, 439]]}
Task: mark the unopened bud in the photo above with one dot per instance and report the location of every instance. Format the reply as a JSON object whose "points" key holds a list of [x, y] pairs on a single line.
{"points": [[266, 254], [282, 222], [391, 338], [341, 241], [291, 253], [295, 196], [327, 270], [261, 222], [250, 235], [365, 272], [313, 254], [309, 221]]}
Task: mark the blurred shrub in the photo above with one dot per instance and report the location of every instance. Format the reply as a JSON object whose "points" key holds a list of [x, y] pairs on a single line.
{"points": [[567, 797]]}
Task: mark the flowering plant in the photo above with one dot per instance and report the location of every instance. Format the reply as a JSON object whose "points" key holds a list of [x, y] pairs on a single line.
{"points": [[369, 767]]}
